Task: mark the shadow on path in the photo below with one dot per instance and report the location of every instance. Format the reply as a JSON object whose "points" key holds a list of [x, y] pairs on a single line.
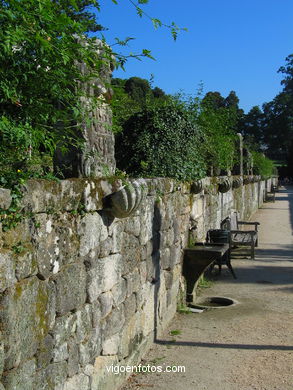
{"points": [[226, 346]]}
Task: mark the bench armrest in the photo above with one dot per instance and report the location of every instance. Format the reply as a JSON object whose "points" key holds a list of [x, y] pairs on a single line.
{"points": [[256, 224], [248, 223]]}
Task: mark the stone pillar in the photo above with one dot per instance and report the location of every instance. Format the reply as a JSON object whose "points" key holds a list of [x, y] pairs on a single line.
{"points": [[95, 158]]}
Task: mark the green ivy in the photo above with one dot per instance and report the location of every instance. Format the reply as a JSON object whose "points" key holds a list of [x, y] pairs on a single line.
{"points": [[162, 141]]}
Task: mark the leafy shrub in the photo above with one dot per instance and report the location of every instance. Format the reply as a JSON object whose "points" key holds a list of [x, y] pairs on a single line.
{"points": [[262, 165], [162, 141]]}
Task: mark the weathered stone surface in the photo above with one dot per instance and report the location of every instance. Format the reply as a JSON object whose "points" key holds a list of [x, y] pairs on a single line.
{"points": [[22, 377], [92, 199], [57, 242], [73, 357], [106, 303], [119, 291], [60, 353], [70, 288], [26, 263], [45, 352], [132, 226], [110, 281], [25, 306], [90, 348], [5, 198], [130, 307], [113, 323], [51, 378], [103, 276], [101, 378], [105, 247], [41, 195], [83, 323], [7, 270], [111, 345], [64, 328], [77, 382], [92, 231], [2, 356], [115, 231], [133, 281]]}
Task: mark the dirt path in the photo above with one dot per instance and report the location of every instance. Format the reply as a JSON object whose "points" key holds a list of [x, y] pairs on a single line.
{"points": [[247, 346]]}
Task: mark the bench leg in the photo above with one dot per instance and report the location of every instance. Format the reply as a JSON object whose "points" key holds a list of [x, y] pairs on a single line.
{"points": [[252, 250], [229, 265]]}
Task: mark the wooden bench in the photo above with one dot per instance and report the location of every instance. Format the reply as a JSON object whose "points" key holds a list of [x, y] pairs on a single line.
{"points": [[218, 237], [239, 238]]}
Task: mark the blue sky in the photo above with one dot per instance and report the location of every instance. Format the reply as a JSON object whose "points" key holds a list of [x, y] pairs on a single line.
{"points": [[230, 45]]}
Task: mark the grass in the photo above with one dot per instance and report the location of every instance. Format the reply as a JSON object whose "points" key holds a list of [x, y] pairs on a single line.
{"points": [[204, 282], [175, 332]]}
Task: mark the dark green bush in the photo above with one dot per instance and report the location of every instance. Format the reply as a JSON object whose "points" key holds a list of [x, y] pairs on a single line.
{"points": [[262, 165], [162, 141]]}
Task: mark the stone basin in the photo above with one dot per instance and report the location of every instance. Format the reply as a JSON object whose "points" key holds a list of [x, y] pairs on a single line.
{"points": [[196, 260]]}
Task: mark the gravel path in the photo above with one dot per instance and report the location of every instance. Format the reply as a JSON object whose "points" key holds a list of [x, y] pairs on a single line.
{"points": [[247, 346]]}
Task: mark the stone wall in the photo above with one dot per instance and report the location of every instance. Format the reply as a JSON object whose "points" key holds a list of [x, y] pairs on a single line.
{"points": [[82, 290]]}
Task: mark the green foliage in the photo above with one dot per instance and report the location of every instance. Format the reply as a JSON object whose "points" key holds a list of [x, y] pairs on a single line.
{"points": [[204, 282], [41, 85], [162, 140], [262, 165], [218, 124], [132, 96], [175, 332]]}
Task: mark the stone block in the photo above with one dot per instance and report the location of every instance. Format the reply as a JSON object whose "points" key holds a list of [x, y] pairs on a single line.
{"points": [[129, 307], [41, 195], [106, 247], [26, 263], [73, 357], [70, 288], [64, 328], [115, 232], [60, 353], [133, 281], [92, 200], [119, 291], [101, 375], [113, 323], [83, 322], [45, 352], [22, 377], [90, 348], [5, 198], [165, 258], [92, 231], [111, 345], [52, 377], [103, 276], [57, 242], [7, 270], [106, 302], [132, 226], [26, 313], [77, 382], [2, 355]]}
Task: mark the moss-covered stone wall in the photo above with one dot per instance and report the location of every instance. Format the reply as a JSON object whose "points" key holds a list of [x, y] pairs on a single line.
{"points": [[81, 290]]}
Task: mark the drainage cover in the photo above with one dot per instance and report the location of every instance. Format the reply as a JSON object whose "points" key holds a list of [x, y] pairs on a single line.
{"points": [[213, 303]]}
